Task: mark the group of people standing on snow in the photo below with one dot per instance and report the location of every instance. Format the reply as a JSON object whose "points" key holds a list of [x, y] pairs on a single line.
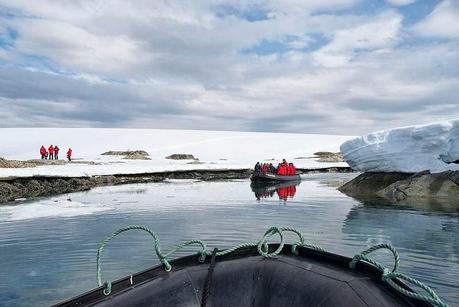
{"points": [[284, 168], [52, 153]]}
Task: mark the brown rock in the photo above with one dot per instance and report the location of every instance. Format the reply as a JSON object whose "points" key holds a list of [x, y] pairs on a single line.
{"points": [[326, 156], [181, 157]]}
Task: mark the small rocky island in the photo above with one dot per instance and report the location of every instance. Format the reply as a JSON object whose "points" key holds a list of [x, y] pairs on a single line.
{"points": [[406, 165]]}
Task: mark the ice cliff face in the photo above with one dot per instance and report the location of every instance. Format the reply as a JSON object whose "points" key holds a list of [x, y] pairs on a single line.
{"points": [[433, 147]]}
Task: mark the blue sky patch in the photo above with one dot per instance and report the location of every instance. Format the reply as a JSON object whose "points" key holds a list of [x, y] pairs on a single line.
{"points": [[311, 42], [252, 14], [7, 39]]}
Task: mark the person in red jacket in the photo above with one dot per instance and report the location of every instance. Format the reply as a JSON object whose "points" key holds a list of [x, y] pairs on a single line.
{"points": [[51, 152], [56, 153], [282, 170], [43, 152], [69, 154], [293, 169]]}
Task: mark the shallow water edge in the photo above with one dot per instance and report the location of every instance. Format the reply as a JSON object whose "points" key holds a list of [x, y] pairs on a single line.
{"points": [[26, 187]]}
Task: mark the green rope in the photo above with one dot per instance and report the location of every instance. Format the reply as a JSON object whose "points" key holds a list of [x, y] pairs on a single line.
{"points": [[388, 276]]}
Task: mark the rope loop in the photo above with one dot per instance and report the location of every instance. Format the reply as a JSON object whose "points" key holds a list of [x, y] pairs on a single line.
{"points": [[262, 245], [157, 248], [108, 288], [388, 276], [362, 256], [431, 296]]}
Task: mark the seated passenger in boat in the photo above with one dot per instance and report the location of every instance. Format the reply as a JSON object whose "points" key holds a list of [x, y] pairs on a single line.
{"points": [[282, 170], [257, 167], [291, 169]]}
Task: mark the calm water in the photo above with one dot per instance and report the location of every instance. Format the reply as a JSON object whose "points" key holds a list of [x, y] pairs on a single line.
{"points": [[48, 246]]}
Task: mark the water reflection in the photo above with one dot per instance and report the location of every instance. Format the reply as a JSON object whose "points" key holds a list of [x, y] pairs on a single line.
{"points": [[47, 248], [284, 190], [421, 203]]}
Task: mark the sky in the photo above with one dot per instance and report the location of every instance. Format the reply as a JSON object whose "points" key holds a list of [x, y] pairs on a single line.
{"points": [[318, 66]]}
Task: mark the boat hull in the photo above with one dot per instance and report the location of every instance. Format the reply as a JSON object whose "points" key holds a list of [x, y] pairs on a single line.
{"points": [[266, 177], [244, 278]]}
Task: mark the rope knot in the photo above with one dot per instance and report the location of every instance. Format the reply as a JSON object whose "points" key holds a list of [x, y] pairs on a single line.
{"points": [[108, 288], [262, 245], [386, 274], [354, 261]]}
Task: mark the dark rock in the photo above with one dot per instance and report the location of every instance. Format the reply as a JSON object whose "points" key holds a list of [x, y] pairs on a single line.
{"points": [[181, 157], [326, 156], [418, 189], [370, 183]]}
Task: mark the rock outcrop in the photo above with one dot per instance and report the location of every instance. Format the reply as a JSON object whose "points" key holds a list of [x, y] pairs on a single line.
{"points": [[129, 154], [330, 157], [405, 188], [4, 163], [181, 157]]}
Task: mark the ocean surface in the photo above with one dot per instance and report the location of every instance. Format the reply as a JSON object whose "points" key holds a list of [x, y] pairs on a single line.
{"points": [[48, 245]]}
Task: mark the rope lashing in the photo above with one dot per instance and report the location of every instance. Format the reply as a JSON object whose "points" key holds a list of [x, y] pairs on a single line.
{"points": [[208, 281], [162, 257], [389, 275], [362, 256]]}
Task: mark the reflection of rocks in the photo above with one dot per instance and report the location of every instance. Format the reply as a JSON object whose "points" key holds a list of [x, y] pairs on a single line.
{"points": [[408, 230], [420, 190], [181, 157]]}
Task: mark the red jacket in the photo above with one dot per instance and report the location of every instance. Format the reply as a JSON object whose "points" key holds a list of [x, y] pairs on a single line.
{"points": [[43, 150], [51, 149], [56, 149], [69, 152], [282, 170]]}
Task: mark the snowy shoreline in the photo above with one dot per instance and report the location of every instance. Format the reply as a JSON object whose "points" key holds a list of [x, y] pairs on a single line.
{"points": [[220, 154], [214, 149]]}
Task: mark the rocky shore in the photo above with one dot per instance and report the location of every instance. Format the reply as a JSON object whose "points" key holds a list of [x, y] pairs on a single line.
{"points": [[411, 189], [12, 188]]}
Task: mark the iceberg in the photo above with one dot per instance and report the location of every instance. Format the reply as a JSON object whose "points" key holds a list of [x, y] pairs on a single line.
{"points": [[432, 147]]}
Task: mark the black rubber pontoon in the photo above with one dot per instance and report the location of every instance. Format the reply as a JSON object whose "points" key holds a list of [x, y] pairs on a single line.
{"points": [[244, 278], [268, 177]]}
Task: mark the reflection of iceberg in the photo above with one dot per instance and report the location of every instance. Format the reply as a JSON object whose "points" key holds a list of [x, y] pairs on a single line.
{"points": [[429, 234], [284, 190]]}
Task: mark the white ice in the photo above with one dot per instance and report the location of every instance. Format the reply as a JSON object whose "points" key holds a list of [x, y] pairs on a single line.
{"points": [[408, 149], [48, 209]]}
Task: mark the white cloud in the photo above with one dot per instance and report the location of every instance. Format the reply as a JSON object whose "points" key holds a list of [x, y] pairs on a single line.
{"points": [[180, 65], [442, 22], [379, 33]]}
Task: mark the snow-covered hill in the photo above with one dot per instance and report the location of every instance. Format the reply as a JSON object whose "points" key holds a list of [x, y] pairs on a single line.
{"points": [[216, 149], [409, 149]]}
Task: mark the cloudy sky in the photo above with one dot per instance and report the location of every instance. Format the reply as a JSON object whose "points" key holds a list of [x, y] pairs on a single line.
{"points": [[315, 66]]}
